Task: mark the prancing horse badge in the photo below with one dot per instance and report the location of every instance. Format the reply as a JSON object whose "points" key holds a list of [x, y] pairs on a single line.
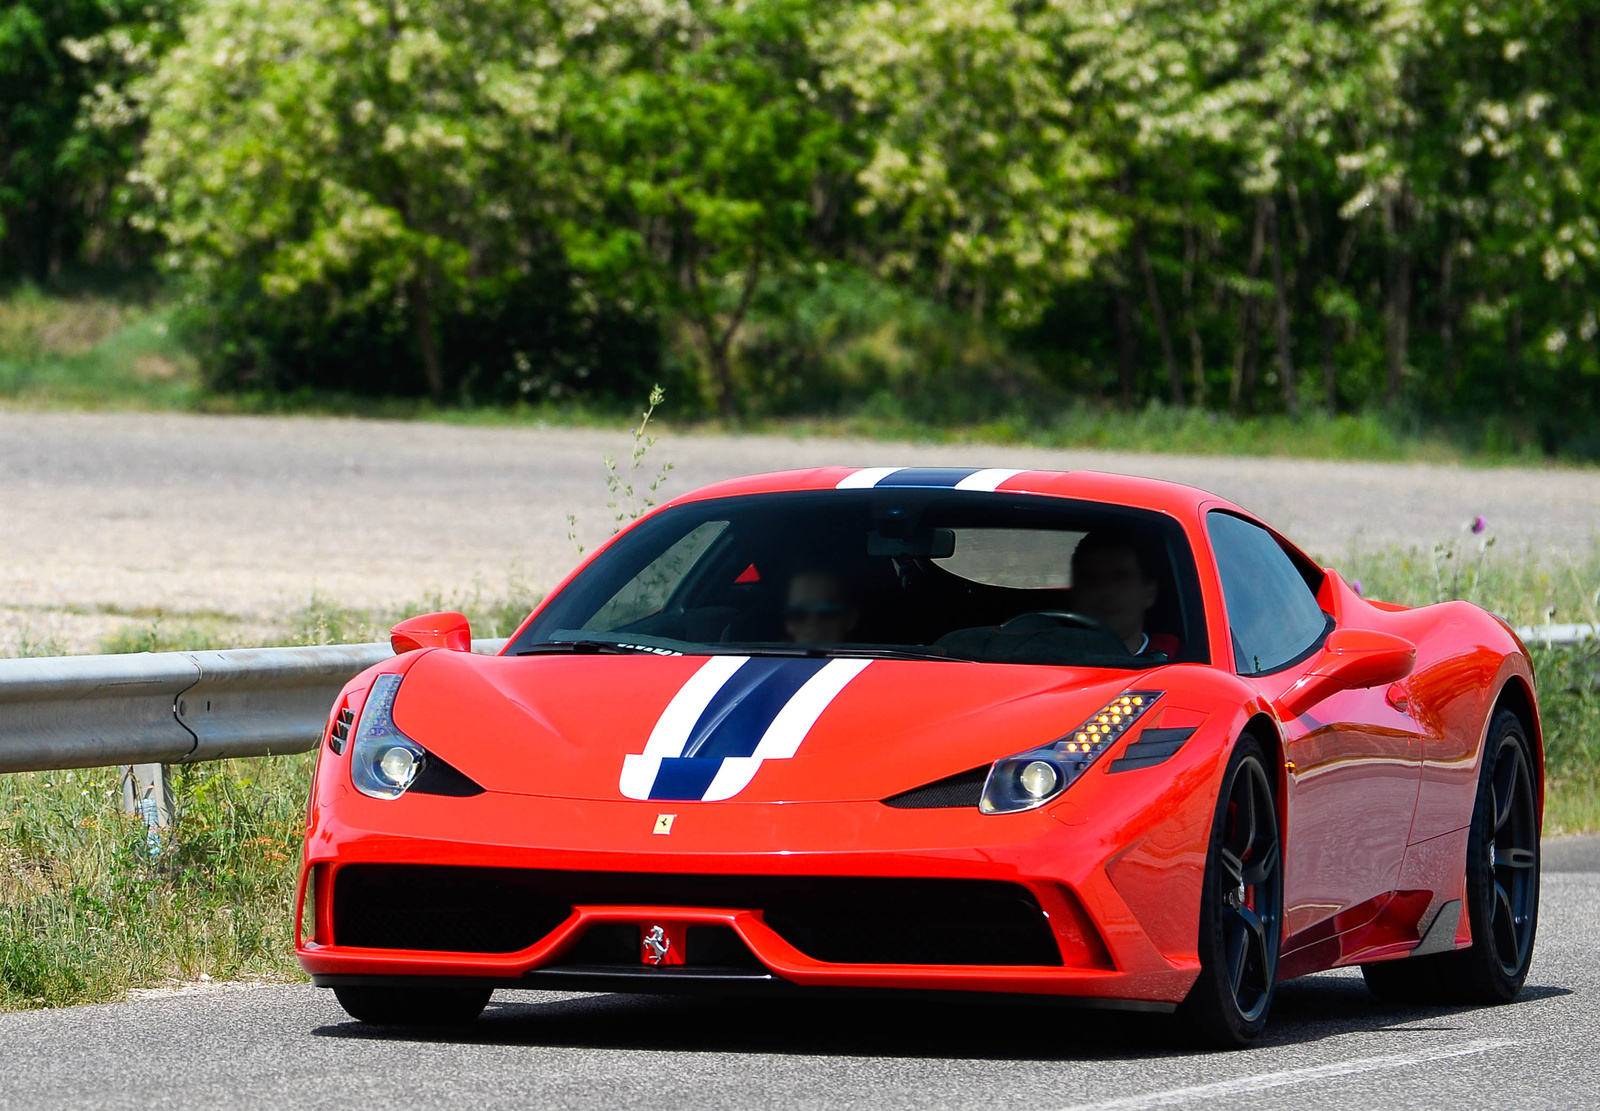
{"points": [[664, 823]]}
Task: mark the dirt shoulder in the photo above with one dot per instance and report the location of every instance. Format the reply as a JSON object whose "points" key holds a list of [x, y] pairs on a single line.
{"points": [[107, 515]]}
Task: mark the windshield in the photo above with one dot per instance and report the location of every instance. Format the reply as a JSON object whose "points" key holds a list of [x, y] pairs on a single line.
{"points": [[998, 578]]}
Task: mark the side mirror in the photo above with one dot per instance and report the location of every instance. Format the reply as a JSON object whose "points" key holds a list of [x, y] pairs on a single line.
{"points": [[1351, 659], [432, 630]]}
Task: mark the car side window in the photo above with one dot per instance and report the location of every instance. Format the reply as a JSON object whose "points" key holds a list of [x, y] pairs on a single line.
{"points": [[1272, 613]]}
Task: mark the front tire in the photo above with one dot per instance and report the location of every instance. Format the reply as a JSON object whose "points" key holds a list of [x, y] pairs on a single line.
{"points": [[401, 1006], [1502, 890], [1241, 909]]}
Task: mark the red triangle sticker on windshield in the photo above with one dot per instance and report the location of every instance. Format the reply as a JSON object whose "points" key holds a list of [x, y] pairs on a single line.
{"points": [[749, 575]]}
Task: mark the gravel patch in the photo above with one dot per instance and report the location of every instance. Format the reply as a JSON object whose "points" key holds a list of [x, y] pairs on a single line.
{"points": [[249, 517]]}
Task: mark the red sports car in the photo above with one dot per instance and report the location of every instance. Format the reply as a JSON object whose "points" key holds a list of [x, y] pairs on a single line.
{"points": [[1050, 734]]}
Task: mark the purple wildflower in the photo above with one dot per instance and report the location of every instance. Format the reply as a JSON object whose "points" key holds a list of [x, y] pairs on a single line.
{"points": [[1355, 585], [1478, 525]]}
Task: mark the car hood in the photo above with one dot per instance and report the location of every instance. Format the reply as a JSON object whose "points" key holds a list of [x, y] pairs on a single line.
{"points": [[745, 729]]}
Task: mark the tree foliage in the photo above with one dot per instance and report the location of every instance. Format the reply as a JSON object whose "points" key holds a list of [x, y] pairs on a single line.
{"points": [[1257, 205], [59, 179]]}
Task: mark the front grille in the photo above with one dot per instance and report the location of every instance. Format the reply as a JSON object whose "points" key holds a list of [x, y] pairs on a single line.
{"points": [[836, 919]]}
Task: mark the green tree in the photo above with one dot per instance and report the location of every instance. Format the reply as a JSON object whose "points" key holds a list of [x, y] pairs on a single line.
{"points": [[60, 165], [713, 155], [979, 187], [379, 155]]}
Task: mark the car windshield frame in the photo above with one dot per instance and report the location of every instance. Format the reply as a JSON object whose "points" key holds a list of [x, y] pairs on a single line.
{"points": [[559, 626]]}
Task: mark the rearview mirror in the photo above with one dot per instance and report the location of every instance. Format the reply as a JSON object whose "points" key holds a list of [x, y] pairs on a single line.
{"points": [[432, 630], [929, 543], [1351, 659]]}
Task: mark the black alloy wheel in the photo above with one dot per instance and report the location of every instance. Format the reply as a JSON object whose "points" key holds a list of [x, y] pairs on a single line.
{"points": [[1241, 908], [1502, 889], [419, 1006]]}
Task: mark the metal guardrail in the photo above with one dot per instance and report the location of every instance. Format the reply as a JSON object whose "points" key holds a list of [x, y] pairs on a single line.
{"points": [[174, 707], [1552, 635], [180, 707]]}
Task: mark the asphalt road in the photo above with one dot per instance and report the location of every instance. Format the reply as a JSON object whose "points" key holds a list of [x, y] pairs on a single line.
{"points": [[1330, 1044], [109, 516]]}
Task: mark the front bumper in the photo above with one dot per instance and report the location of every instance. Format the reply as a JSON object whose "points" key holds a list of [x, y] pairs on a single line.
{"points": [[1115, 895]]}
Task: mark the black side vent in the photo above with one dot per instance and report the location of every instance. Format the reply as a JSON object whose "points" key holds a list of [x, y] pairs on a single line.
{"points": [[341, 729], [439, 778], [962, 789], [1152, 747]]}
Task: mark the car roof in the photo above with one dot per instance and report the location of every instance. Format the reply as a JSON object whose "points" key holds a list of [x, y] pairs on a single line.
{"points": [[1096, 486]]}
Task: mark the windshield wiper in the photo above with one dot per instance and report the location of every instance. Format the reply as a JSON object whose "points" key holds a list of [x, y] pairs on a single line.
{"points": [[827, 652], [800, 651], [594, 647], [892, 654]]}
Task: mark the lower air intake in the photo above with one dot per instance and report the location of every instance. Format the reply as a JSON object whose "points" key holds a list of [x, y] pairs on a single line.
{"points": [[836, 919], [453, 910]]}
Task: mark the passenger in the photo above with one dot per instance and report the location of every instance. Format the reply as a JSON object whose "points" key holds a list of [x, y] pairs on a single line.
{"points": [[819, 609], [1114, 583]]}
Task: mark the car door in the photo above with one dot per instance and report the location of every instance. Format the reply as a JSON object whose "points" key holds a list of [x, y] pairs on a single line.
{"points": [[1351, 784]]}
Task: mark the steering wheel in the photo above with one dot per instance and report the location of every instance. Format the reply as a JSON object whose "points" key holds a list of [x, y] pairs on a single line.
{"points": [[1038, 621]]}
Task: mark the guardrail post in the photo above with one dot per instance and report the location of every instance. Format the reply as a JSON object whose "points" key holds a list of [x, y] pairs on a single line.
{"points": [[147, 794]]}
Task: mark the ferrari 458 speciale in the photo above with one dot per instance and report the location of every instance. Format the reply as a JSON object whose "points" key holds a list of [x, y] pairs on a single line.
{"points": [[1076, 735]]}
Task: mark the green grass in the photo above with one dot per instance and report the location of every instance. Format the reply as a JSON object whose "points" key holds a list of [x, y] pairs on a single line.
{"points": [[87, 911], [1158, 429], [93, 351]]}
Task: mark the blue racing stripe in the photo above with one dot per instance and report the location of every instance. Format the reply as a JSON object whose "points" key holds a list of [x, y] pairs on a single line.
{"points": [[684, 778], [927, 476], [734, 720]]}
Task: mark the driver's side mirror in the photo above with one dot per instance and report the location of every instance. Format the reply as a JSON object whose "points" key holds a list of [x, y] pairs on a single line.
{"points": [[1351, 659], [432, 630]]}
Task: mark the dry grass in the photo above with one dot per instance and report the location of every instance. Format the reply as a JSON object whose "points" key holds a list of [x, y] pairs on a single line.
{"points": [[35, 326]]}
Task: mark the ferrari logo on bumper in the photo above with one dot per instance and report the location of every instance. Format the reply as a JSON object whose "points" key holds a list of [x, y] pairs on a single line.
{"points": [[656, 945], [664, 823]]}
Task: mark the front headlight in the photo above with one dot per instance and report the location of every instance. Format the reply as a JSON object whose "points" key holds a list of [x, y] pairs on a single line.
{"points": [[383, 761], [1031, 779]]}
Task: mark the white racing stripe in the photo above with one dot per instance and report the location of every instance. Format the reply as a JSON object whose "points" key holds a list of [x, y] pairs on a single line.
{"points": [[986, 480], [1248, 1085], [866, 478], [677, 720], [782, 738]]}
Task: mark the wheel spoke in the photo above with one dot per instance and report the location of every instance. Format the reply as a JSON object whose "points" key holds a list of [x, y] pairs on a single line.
{"points": [[1244, 817], [1238, 946], [1256, 946], [1232, 868], [1503, 925], [1504, 789], [1262, 866], [1516, 858]]}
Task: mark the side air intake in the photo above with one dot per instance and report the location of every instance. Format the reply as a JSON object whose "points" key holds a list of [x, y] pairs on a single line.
{"points": [[953, 791]]}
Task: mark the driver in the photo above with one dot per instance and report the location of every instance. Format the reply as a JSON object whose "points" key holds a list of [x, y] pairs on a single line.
{"points": [[1114, 583], [819, 608]]}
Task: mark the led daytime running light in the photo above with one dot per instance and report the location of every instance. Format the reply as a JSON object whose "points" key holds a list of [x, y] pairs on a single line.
{"points": [[1014, 783]]}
